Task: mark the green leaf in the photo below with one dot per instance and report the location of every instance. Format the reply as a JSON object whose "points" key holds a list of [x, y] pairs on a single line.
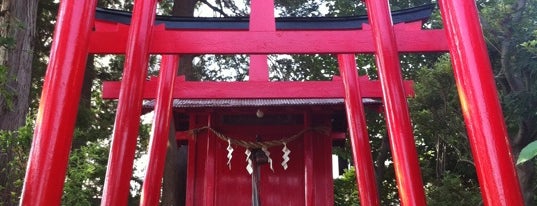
{"points": [[527, 153]]}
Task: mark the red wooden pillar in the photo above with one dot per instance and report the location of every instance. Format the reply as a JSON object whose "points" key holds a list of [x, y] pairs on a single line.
{"points": [[480, 105], [261, 19], [309, 179], [160, 131], [191, 168], [47, 163], [209, 173], [361, 151], [126, 126], [402, 145]]}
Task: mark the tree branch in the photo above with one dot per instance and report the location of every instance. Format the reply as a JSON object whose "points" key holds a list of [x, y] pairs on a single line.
{"points": [[214, 8], [510, 21]]}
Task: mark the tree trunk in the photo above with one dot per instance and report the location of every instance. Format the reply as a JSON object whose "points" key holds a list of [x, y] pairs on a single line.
{"points": [[185, 8], [84, 117], [526, 177], [17, 32], [516, 84], [380, 168], [440, 158], [171, 183], [19, 25], [174, 180], [526, 171]]}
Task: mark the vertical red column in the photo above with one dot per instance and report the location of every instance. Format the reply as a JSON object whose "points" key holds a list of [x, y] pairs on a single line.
{"points": [[126, 126], [361, 151], [261, 19], [402, 145], [480, 105], [47, 163], [160, 131], [209, 174], [309, 179]]}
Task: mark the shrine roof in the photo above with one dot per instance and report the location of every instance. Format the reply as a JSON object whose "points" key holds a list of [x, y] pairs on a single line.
{"points": [[414, 14], [234, 103]]}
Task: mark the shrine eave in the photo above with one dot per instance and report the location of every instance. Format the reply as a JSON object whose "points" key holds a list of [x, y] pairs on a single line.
{"points": [[420, 13], [236, 103]]}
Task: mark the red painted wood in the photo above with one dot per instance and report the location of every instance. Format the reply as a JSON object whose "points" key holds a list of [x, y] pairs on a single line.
{"points": [[337, 136], [110, 27], [189, 200], [54, 126], [201, 147], [262, 16], [185, 136], [261, 19], [230, 90], [182, 136], [481, 108], [281, 187], [160, 131], [192, 167], [402, 145], [361, 151], [322, 164], [269, 42], [121, 157], [309, 178], [209, 174], [258, 71]]}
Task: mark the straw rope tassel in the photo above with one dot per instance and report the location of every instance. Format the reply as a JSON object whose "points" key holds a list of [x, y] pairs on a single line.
{"points": [[249, 167], [230, 153], [267, 153], [286, 151]]}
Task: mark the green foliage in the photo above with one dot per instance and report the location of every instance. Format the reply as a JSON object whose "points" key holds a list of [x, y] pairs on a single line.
{"points": [[443, 148], [7, 42], [6, 93], [85, 176], [436, 99], [510, 27], [298, 8], [315, 67], [527, 153], [345, 192], [447, 169], [221, 67], [531, 45], [438, 124], [453, 190], [165, 7], [510, 33], [345, 8], [14, 148]]}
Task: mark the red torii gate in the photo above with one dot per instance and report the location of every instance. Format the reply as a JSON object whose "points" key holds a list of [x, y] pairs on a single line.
{"points": [[74, 39]]}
